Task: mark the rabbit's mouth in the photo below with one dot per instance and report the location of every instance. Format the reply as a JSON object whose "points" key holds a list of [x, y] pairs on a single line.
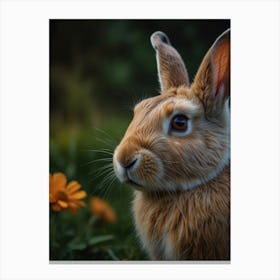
{"points": [[133, 183]]}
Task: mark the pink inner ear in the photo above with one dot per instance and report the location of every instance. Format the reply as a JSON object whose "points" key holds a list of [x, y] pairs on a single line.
{"points": [[218, 88], [221, 61]]}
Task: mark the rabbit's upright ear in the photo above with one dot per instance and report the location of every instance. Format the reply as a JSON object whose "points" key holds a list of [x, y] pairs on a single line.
{"points": [[171, 68], [212, 81]]}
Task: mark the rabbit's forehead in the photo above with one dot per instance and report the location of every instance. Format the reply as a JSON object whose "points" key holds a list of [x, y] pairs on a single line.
{"points": [[164, 106], [150, 103], [183, 105]]}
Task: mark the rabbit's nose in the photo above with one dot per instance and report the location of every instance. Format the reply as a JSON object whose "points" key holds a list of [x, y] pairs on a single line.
{"points": [[130, 164]]}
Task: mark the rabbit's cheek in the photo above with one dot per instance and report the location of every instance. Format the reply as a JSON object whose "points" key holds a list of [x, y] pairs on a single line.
{"points": [[149, 169]]}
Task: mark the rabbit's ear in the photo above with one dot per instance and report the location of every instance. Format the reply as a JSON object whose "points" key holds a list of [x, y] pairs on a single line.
{"points": [[212, 81], [171, 68]]}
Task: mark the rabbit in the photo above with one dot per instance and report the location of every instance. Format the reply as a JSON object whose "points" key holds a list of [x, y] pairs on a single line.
{"points": [[176, 155]]}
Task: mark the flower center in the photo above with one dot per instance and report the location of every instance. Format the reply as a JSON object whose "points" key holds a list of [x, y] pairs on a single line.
{"points": [[62, 196]]}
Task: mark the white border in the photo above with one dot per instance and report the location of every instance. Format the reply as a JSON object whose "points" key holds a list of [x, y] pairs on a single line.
{"points": [[24, 138]]}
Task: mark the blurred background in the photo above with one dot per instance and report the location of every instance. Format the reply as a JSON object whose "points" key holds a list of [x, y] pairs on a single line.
{"points": [[99, 69]]}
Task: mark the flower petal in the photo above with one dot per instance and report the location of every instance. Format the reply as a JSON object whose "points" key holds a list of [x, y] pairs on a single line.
{"points": [[80, 203], [73, 207], [109, 216], [59, 181], [78, 195], [56, 207], [98, 205], [73, 186], [72, 204], [52, 198], [76, 203], [62, 204]]}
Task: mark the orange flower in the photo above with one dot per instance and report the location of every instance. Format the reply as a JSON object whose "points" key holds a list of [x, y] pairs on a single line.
{"points": [[63, 196], [102, 209]]}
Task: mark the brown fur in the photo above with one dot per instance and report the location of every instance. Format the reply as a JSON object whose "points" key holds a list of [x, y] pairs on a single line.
{"points": [[196, 221], [182, 180], [171, 68]]}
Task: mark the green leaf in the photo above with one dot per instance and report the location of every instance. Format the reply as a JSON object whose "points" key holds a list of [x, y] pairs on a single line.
{"points": [[112, 255], [77, 246], [102, 238]]}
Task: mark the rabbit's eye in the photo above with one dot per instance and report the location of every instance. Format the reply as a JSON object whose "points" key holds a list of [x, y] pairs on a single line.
{"points": [[179, 123]]}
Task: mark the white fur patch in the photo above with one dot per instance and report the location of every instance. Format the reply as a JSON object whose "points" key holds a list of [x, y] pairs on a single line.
{"points": [[185, 106], [221, 91], [119, 170], [158, 70], [169, 185], [167, 247]]}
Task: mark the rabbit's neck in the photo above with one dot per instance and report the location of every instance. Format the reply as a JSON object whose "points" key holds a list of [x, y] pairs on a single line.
{"points": [[221, 180], [213, 175], [169, 223]]}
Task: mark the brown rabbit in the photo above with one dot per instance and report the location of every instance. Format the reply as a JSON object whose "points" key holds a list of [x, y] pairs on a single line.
{"points": [[176, 153]]}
